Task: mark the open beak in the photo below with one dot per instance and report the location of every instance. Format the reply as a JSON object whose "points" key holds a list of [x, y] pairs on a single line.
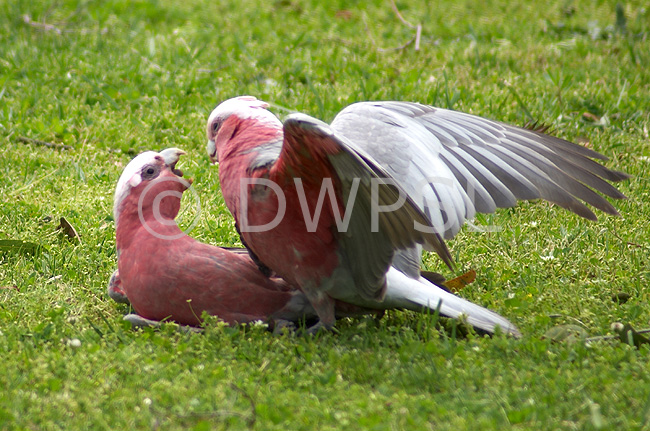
{"points": [[212, 151], [171, 156]]}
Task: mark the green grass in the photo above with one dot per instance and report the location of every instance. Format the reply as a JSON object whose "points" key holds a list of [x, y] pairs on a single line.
{"points": [[114, 78]]}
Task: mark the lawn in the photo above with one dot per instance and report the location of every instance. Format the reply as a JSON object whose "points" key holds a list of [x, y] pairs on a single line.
{"points": [[101, 81]]}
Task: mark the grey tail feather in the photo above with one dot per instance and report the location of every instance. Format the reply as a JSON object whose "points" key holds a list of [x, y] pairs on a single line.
{"points": [[420, 294], [435, 278], [483, 320]]}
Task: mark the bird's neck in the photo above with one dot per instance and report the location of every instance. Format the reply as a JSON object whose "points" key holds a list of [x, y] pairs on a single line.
{"points": [[249, 150], [134, 221], [246, 137]]}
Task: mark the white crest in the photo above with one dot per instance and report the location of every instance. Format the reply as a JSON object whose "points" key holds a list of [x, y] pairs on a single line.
{"points": [[244, 107], [131, 178]]}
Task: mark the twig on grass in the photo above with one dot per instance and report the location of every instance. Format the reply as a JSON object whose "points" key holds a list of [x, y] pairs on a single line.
{"points": [[251, 420], [55, 146], [417, 28], [51, 27], [626, 242], [41, 25], [414, 40], [612, 337]]}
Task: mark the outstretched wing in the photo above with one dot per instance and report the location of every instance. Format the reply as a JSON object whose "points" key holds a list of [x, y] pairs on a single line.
{"points": [[454, 164], [312, 152]]}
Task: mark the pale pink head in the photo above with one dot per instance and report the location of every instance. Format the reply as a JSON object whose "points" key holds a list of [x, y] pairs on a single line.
{"points": [[242, 107], [155, 172]]}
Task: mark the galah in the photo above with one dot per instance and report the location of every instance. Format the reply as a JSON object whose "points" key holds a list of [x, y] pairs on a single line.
{"points": [[341, 210], [167, 275]]}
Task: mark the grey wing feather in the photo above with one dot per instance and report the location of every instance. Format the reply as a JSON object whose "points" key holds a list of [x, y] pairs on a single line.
{"points": [[473, 164]]}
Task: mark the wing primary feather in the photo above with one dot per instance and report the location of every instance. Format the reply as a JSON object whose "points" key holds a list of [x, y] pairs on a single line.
{"points": [[500, 193], [548, 140], [514, 181], [482, 199], [548, 189], [569, 182], [573, 167]]}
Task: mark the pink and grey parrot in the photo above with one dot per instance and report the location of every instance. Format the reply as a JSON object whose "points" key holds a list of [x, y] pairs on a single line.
{"points": [[342, 210], [166, 275]]}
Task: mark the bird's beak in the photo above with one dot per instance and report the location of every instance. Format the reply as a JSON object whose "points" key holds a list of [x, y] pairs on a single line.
{"points": [[171, 156], [212, 151]]}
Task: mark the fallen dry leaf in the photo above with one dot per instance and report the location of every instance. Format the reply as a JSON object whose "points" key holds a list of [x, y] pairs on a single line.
{"points": [[68, 229], [591, 117], [343, 14], [457, 284]]}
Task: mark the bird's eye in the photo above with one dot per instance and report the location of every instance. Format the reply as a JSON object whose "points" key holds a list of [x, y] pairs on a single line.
{"points": [[150, 172], [216, 125]]}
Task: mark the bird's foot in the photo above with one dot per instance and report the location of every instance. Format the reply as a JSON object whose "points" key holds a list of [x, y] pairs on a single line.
{"points": [[115, 290], [320, 327], [281, 326], [138, 322], [325, 308]]}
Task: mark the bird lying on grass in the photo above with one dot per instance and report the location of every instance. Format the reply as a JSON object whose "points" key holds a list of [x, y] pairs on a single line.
{"points": [[342, 210], [167, 275]]}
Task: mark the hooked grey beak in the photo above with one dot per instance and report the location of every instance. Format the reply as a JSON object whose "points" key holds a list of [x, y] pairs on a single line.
{"points": [[170, 157], [212, 151]]}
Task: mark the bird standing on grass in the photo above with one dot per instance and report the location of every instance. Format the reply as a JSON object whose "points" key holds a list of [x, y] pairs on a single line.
{"points": [[343, 210]]}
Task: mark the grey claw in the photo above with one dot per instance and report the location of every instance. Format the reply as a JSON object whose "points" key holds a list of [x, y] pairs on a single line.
{"points": [[281, 326], [138, 321], [320, 327]]}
